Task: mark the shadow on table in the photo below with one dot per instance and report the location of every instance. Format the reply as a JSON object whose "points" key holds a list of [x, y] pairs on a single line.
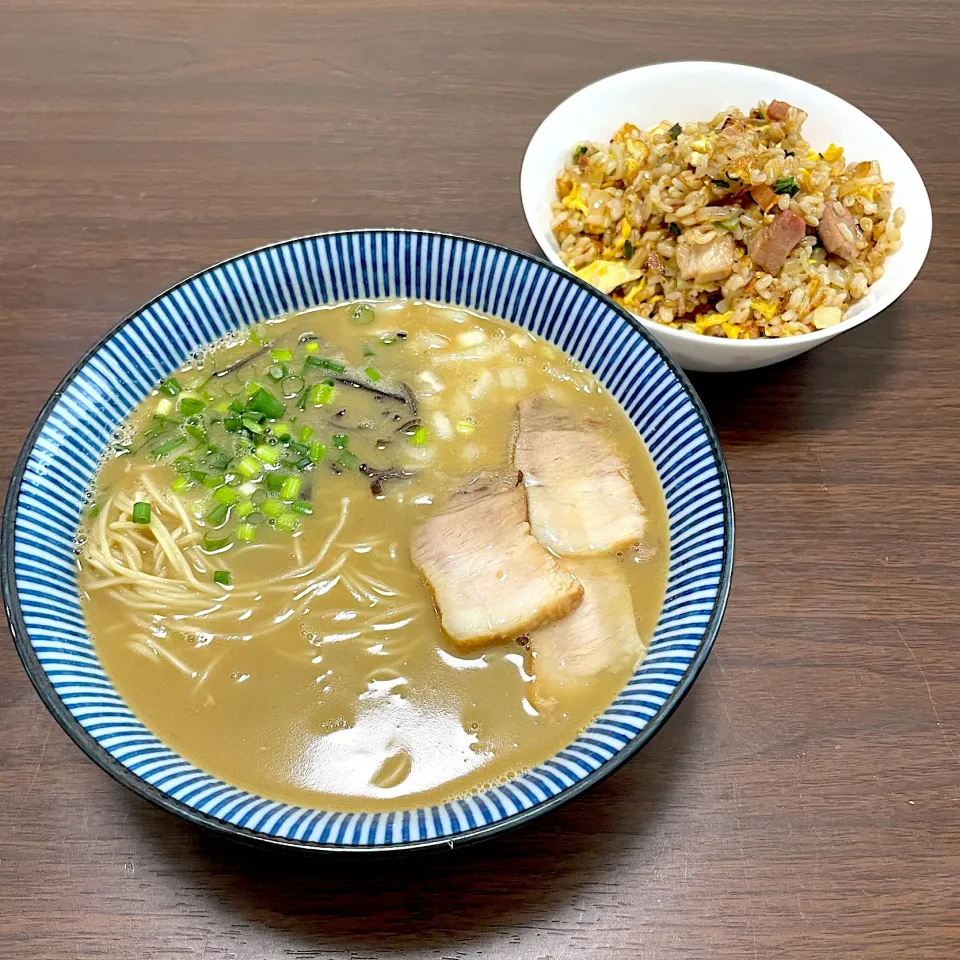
{"points": [[437, 903], [824, 387]]}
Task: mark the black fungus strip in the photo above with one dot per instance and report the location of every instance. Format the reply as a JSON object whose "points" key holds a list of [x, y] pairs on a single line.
{"points": [[404, 394], [379, 477], [241, 363]]}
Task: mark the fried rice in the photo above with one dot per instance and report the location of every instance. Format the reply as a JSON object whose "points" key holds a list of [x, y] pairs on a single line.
{"points": [[732, 228]]}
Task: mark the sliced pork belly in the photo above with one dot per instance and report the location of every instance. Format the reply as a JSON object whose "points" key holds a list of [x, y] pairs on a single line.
{"points": [[601, 634], [581, 500], [707, 262], [771, 245], [491, 579], [838, 230]]}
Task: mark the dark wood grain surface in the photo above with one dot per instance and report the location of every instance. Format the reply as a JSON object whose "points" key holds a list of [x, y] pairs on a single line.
{"points": [[804, 802]]}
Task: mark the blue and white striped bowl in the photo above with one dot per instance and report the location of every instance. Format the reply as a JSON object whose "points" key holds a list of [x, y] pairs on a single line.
{"points": [[62, 451]]}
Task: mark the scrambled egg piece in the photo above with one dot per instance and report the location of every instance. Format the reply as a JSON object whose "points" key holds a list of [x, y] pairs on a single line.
{"points": [[574, 200], [709, 320], [766, 308], [625, 227], [732, 330], [832, 153], [627, 131], [607, 275], [631, 297]]}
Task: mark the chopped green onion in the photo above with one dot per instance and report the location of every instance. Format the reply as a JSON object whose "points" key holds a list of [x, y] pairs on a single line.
{"points": [[317, 450], [305, 434], [419, 436], [466, 427], [226, 495], [288, 522], [246, 532], [386, 340], [787, 185], [222, 407], [214, 480], [265, 402], [277, 372], [272, 508], [312, 347], [244, 508], [347, 460], [249, 467], [323, 363], [368, 351], [218, 514], [222, 576], [275, 481], [373, 373], [281, 354], [628, 250], [301, 506], [94, 510], [252, 425], [237, 406], [215, 543], [171, 386], [281, 430], [188, 406], [675, 131], [290, 489], [322, 393], [292, 386], [221, 461], [181, 485], [580, 151], [675, 229], [730, 224], [197, 432], [303, 463], [297, 447], [183, 464], [720, 183], [267, 454], [168, 446], [164, 406], [363, 313], [252, 387], [340, 440], [141, 512], [232, 424]]}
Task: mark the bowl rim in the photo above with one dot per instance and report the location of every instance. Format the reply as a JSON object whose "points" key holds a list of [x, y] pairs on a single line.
{"points": [[127, 778], [721, 344]]}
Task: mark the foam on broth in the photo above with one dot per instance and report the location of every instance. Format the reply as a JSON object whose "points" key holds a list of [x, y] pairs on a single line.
{"points": [[350, 697]]}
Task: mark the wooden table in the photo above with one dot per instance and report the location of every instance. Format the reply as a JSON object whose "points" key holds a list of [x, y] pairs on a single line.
{"points": [[804, 802]]}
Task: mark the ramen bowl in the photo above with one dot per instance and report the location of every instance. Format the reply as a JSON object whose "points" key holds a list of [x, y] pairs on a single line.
{"points": [[61, 454]]}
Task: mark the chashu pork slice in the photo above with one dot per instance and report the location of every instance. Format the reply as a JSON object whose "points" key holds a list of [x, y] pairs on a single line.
{"points": [[600, 635], [491, 579], [581, 499]]}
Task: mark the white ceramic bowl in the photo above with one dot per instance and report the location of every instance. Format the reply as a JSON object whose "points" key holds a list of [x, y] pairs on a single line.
{"points": [[697, 90]]}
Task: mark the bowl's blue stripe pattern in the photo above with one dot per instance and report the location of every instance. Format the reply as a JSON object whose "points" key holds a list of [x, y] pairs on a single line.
{"points": [[327, 269]]}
